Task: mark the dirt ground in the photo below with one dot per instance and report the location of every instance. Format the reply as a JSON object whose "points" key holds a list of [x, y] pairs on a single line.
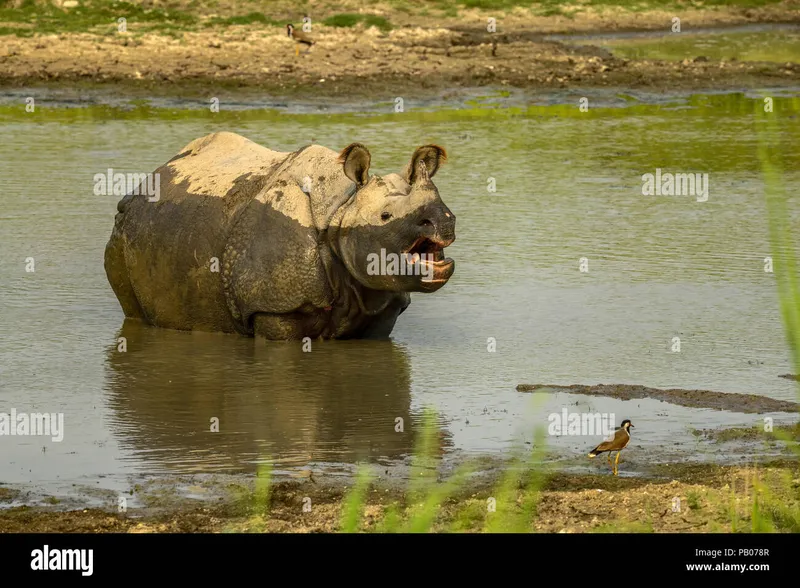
{"points": [[421, 55], [687, 498]]}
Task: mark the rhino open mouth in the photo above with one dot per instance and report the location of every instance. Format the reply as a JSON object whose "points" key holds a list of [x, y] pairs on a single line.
{"points": [[432, 253], [427, 249]]}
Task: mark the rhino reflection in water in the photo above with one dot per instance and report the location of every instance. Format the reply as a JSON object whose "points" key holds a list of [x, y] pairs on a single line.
{"points": [[279, 245], [339, 403]]}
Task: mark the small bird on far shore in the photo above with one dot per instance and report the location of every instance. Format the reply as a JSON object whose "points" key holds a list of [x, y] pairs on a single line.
{"points": [[621, 439], [299, 37]]}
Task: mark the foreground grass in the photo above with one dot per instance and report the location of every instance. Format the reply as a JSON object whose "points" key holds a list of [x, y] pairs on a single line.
{"points": [[700, 499], [525, 496], [770, 510]]}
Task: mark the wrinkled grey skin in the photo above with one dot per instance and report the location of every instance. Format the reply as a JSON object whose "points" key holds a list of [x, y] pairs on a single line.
{"points": [[291, 263]]}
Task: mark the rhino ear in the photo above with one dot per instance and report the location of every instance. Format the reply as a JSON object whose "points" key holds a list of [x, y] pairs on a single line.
{"points": [[432, 156], [355, 159]]}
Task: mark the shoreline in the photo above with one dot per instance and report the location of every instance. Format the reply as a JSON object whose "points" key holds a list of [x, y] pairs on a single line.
{"points": [[566, 503], [575, 494], [425, 58]]}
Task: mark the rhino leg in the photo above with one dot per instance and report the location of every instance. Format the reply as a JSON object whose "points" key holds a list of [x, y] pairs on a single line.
{"points": [[273, 277], [117, 272], [381, 325], [287, 327], [296, 326]]}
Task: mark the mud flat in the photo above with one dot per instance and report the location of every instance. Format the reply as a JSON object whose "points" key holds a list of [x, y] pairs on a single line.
{"points": [[414, 54], [708, 495], [745, 434], [746, 403], [347, 63]]}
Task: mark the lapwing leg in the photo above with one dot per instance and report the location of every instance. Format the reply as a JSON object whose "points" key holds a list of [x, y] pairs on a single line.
{"points": [[616, 464], [296, 50], [608, 456]]}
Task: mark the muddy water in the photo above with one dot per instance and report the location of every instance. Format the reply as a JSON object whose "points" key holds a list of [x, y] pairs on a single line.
{"points": [[568, 186]]}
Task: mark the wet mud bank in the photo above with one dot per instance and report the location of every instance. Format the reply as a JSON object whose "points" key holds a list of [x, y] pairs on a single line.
{"points": [[745, 434], [424, 63], [745, 403], [421, 58], [565, 504]]}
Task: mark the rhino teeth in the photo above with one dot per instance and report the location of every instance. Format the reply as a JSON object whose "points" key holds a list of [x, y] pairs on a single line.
{"points": [[427, 247]]}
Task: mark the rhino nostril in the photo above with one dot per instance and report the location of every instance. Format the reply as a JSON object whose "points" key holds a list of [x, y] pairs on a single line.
{"points": [[386, 216]]}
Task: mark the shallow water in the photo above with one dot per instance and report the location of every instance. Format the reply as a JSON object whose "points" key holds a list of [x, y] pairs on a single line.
{"points": [[568, 186], [774, 43]]}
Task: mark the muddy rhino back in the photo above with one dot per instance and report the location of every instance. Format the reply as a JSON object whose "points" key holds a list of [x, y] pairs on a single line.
{"points": [[165, 256]]}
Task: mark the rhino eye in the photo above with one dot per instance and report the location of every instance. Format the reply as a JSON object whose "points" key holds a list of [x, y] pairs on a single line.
{"points": [[386, 216]]}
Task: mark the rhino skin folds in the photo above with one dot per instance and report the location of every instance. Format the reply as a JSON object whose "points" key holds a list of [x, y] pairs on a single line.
{"points": [[242, 239]]}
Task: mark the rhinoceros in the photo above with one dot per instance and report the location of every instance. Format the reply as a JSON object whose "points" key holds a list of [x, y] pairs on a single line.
{"points": [[238, 238]]}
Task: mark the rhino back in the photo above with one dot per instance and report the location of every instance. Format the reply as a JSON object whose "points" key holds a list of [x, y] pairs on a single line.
{"points": [[316, 171], [174, 246]]}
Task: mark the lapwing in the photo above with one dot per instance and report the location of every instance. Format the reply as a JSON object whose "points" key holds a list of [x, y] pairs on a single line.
{"points": [[621, 439], [299, 37]]}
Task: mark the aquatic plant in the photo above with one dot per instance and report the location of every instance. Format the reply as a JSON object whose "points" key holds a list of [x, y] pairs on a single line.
{"points": [[256, 503], [769, 510], [510, 508]]}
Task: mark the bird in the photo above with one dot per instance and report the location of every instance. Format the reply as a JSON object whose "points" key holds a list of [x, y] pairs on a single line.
{"points": [[621, 439], [299, 37]]}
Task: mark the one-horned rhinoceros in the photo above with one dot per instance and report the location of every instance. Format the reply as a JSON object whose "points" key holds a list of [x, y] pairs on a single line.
{"points": [[239, 238]]}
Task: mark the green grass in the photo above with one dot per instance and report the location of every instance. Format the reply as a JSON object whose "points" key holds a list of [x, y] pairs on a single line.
{"points": [[771, 46], [246, 19], [693, 500], [48, 18], [780, 234], [511, 508], [494, 4], [351, 20], [554, 7], [352, 511], [425, 494], [255, 503], [41, 16], [771, 511]]}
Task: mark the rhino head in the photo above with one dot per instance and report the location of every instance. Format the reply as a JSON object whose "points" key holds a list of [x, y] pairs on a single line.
{"points": [[392, 232]]}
